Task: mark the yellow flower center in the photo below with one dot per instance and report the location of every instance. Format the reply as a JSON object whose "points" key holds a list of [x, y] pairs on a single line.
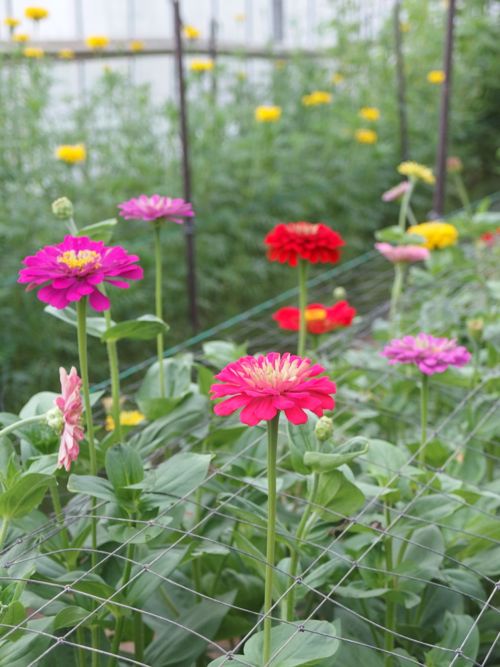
{"points": [[79, 259], [315, 315], [273, 375], [303, 228]]}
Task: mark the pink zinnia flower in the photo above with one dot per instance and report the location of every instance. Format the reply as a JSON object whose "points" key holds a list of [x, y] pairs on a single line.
{"points": [[431, 355], [396, 192], [263, 385], [156, 207], [71, 407], [403, 253], [72, 270]]}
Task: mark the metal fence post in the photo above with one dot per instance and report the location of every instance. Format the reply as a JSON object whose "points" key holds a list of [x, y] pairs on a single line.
{"points": [[186, 168], [277, 17], [439, 192], [401, 83]]}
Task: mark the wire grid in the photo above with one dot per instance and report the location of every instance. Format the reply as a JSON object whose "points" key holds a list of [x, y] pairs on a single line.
{"points": [[29, 545]]}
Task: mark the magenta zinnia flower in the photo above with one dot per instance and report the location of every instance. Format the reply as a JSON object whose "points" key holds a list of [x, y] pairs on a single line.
{"points": [[396, 192], [403, 253], [156, 207], [71, 407], [72, 270], [263, 385], [431, 355]]}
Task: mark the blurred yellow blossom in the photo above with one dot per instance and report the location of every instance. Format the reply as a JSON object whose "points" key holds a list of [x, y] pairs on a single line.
{"points": [[97, 42], [267, 114], [369, 113], [136, 45], [280, 63], [240, 18], [71, 153], [66, 54], [404, 26], [36, 13], [316, 97], [33, 52], [127, 418], [417, 171], [365, 136], [190, 32], [337, 78], [436, 76], [201, 65], [437, 234], [11, 22], [21, 37]]}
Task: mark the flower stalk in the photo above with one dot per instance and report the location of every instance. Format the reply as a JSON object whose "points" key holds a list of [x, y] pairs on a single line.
{"points": [[390, 606], [302, 266], [159, 304], [424, 401], [272, 448], [397, 289], [114, 370], [405, 205]]}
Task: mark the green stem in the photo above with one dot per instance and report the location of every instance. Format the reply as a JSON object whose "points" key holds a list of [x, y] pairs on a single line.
{"points": [[80, 638], [405, 203], [462, 193], [3, 531], [390, 606], [412, 218], [138, 636], [302, 530], [117, 637], [84, 373], [397, 289], [272, 447], [112, 350], [22, 422], [159, 305], [302, 307], [424, 401], [56, 504]]}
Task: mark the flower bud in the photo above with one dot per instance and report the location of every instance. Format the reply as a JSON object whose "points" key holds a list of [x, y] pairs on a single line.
{"points": [[55, 419], [324, 428], [62, 208], [339, 293], [475, 327]]}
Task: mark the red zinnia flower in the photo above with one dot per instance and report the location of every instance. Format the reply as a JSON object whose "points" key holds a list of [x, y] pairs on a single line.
{"points": [[320, 319], [291, 241]]}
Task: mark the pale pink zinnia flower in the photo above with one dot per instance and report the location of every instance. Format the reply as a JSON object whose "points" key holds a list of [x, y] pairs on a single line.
{"points": [[396, 192], [403, 253], [71, 407], [264, 385], [431, 355], [156, 207]]}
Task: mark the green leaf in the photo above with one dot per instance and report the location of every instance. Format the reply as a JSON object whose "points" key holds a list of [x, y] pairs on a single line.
{"points": [[13, 614], [337, 496], [70, 616], [99, 231], [96, 326], [27, 649], [177, 379], [397, 236], [145, 585], [90, 485], [323, 462], [25, 494], [457, 628], [302, 440], [123, 466], [142, 328], [219, 353], [38, 404], [294, 648]]}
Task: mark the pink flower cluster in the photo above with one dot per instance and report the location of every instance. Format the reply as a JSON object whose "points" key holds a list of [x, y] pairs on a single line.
{"points": [[156, 207], [264, 385], [71, 407], [431, 355], [403, 253], [71, 270]]}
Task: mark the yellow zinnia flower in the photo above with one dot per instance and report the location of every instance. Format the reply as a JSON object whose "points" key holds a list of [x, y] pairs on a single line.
{"points": [[337, 78], [240, 18], [136, 45], [11, 22], [267, 114], [190, 32], [127, 418], [369, 113], [417, 171], [97, 42], [20, 37], [200, 65], [71, 153], [436, 76], [364, 136], [316, 98], [404, 26], [437, 234], [33, 52], [66, 54], [280, 63], [36, 13]]}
